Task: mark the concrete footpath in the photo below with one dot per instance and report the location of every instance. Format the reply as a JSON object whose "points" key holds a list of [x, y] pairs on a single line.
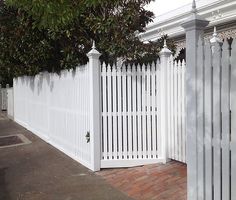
{"points": [[38, 171]]}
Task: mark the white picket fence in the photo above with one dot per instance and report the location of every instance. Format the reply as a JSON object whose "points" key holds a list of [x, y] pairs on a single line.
{"points": [[131, 133], [129, 115], [176, 110], [216, 128], [10, 103], [56, 108]]}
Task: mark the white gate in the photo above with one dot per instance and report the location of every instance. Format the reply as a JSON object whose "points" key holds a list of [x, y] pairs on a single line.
{"points": [[130, 120]]}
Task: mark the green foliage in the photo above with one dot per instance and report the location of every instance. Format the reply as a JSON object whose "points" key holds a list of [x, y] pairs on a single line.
{"points": [[39, 35]]}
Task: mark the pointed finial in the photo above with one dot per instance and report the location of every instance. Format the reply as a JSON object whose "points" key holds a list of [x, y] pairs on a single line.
{"points": [[165, 50], [93, 47], [165, 45], [94, 51], [194, 7], [215, 38]]}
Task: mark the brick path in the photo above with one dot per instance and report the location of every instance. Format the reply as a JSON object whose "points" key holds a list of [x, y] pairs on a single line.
{"points": [[151, 182]]}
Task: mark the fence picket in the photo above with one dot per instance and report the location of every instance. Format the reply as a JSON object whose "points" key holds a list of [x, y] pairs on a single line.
{"points": [[124, 102], [183, 111], [134, 110], [179, 123], [139, 109], [208, 121], [176, 109], [225, 110], [129, 97], [104, 100], [172, 109], [114, 116], [200, 112], [153, 105], [109, 111], [233, 120], [144, 111], [217, 120], [158, 118], [149, 111], [119, 104]]}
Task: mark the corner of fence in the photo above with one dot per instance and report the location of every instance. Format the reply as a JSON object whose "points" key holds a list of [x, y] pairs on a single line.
{"points": [[95, 110]]}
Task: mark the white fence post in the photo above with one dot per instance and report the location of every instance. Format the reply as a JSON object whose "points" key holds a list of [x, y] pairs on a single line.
{"points": [[194, 27], [95, 110], [164, 58]]}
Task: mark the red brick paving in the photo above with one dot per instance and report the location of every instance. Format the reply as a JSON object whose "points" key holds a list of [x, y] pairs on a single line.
{"points": [[150, 182]]}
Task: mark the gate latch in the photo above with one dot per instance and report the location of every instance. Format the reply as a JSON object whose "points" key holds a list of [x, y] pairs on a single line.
{"points": [[87, 136]]}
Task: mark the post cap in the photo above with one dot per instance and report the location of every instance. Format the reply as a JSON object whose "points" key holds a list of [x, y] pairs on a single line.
{"points": [[165, 50], [215, 38], [94, 52], [194, 20]]}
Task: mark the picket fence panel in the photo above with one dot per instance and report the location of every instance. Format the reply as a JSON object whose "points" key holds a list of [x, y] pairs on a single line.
{"points": [[129, 115], [176, 110], [56, 108], [216, 79]]}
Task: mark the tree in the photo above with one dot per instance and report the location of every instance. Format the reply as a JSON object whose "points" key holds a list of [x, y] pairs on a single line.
{"points": [[40, 35]]}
